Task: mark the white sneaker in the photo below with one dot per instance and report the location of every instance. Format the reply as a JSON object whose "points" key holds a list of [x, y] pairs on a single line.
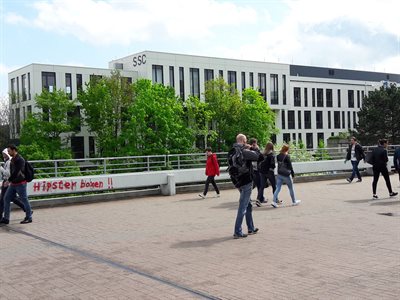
{"points": [[218, 195], [202, 196], [297, 202], [274, 205]]}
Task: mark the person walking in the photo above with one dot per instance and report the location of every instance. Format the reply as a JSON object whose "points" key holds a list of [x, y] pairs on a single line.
{"points": [[243, 181], [5, 174], [285, 175], [17, 185], [256, 172], [355, 154], [267, 173], [379, 166], [396, 161], [212, 170]]}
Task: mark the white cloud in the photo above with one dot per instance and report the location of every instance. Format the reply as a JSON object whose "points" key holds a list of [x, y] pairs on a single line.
{"points": [[124, 22]]}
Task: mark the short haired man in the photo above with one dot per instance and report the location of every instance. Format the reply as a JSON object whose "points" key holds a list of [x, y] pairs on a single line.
{"points": [[245, 185], [379, 166], [17, 185]]}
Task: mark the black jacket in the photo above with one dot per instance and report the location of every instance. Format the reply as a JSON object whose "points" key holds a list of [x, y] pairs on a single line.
{"points": [[268, 164], [379, 157], [281, 157], [396, 159], [359, 152], [17, 169]]}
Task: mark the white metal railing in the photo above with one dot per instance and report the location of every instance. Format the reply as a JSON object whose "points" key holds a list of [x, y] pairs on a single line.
{"points": [[128, 164]]}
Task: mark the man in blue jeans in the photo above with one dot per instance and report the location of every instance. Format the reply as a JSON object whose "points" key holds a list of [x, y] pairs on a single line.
{"points": [[244, 183], [17, 185]]}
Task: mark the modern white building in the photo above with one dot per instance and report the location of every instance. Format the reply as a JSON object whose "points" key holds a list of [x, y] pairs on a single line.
{"points": [[311, 103]]}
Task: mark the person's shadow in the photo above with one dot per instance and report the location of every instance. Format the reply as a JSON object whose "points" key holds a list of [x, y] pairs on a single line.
{"points": [[201, 243]]}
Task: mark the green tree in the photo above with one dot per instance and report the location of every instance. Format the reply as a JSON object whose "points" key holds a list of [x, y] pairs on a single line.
{"points": [[379, 116], [4, 122], [105, 101], [50, 129], [156, 122], [322, 153], [258, 119], [225, 107]]}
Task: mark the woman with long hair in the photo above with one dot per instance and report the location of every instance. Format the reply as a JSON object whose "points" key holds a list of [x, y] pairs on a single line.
{"points": [[285, 175]]}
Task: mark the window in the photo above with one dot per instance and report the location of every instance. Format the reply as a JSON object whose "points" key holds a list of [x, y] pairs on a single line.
{"points": [[300, 138], [313, 97], [319, 119], [74, 119], [158, 74], [262, 85], [286, 137], [351, 98], [358, 99], [362, 94], [68, 85], [305, 97], [343, 120], [194, 82], [348, 120], [232, 80], [320, 97], [181, 83], [95, 78], [274, 89], [29, 86], [17, 120], [48, 81], [354, 120], [79, 82], [336, 119], [307, 119], [329, 120], [291, 123], [339, 98], [251, 80], [283, 119], [299, 119], [171, 76], [91, 146], [221, 73], [29, 110], [18, 89], [78, 146], [293, 137], [13, 96], [297, 96], [208, 75], [284, 89], [309, 140], [320, 137], [243, 80], [329, 98], [23, 82]]}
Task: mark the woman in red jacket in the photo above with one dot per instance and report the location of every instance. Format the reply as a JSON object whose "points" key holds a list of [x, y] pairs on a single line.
{"points": [[212, 170]]}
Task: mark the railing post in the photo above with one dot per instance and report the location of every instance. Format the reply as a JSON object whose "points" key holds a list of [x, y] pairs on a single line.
{"points": [[104, 166], [55, 169], [148, 163], [179, 162]]}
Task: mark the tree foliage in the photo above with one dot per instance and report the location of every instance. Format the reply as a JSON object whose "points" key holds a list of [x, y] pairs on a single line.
{"points": [[4, 122], [155, 121], [105, 101], [50, 129], [379, 116]]}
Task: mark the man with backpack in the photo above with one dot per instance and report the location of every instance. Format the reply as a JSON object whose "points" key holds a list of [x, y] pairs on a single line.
{"points": [[17, 185], [240, 160]]}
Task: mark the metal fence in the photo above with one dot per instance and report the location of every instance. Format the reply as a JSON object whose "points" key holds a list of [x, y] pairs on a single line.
{"points": [[115, 165]]}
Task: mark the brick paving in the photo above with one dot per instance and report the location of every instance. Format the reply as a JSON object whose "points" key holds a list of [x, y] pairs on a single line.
{"points": [[338, 244]]}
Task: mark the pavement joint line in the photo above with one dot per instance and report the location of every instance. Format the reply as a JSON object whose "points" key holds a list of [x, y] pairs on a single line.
{"points": [[114, 264]]}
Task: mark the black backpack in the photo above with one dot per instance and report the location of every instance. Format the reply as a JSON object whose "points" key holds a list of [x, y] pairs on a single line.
{"points": [[237, 165], [29, 172]]}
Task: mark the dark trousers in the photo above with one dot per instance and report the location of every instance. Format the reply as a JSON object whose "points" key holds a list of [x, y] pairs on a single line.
{"points": [[385, 173], [16, 201], [355, 172], [270, 176], [210, 179]]}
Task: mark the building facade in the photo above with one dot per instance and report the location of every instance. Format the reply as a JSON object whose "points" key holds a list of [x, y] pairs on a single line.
{"points": [[311, 103]]}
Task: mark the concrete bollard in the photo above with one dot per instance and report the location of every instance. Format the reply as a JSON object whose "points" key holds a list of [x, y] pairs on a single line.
{"points": [[169, 189]]}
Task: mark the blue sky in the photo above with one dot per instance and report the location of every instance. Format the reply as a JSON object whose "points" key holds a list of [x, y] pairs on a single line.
{"points": [[352, 34]]}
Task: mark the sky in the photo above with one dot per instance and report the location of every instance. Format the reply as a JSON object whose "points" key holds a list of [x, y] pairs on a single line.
{"points": [[349, 34]]}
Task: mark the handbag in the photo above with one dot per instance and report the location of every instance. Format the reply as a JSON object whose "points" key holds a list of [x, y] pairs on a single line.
{"points": [[283, 169]]}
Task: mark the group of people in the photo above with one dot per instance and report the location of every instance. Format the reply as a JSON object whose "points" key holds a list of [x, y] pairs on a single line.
{"points": [[260, 169], [13, 183], [378, 158]]}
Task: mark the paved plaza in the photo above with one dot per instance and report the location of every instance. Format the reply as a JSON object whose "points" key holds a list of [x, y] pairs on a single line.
{"points": [[337, 244]]}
